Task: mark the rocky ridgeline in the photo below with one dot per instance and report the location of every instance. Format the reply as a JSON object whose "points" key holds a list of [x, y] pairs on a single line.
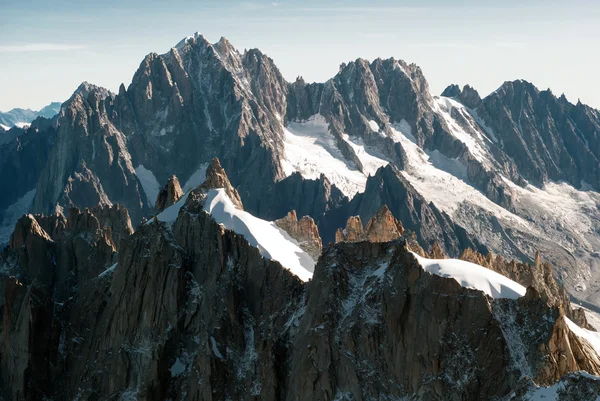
{"points": [[191, 311], [383, 227]]}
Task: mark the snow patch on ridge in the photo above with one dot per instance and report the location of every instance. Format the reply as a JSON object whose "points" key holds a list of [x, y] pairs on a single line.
{"points": [[473, 276], [149, 183], [169, 215], [473, 141], [6, 127], [440, 180], [592, 337], [369, 158], [571, 210]]}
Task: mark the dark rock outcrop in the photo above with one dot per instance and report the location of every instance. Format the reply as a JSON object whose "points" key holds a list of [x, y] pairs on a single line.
{"points": [[467, 96], [169, 194]]}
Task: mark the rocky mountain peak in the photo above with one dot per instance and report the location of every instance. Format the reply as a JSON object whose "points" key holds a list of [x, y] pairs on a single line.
{"points": [[382, 227], [517, 88], [304, 231], [217, 178], [191, 40], [353, 232], [85, 89], [169, 194], [467, 96], [26, 226], [452, 90]]}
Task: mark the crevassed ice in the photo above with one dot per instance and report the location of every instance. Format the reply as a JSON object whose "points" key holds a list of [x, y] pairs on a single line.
{"points": [[311, 150]]}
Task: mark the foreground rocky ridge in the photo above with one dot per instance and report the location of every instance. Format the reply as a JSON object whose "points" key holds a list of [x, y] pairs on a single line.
{"points": [[191, 311]]}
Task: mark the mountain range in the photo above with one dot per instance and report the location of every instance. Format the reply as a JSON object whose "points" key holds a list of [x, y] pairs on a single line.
{"points": [[21, 117], [220, 292]]}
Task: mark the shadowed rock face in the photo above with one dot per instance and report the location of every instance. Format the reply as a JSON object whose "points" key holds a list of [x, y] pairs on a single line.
{"points": [[22, 159], [467, 96], [51, 261]]}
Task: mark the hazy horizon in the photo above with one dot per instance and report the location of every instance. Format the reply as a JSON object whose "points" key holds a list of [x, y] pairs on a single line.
{"points": [[48, 50]]}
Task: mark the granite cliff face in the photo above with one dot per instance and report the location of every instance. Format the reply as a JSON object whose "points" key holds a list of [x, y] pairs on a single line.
{"points": [[190, 310]]}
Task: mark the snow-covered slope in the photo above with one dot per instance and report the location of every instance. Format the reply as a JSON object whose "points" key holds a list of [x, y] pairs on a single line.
{"points": [[272, 241], [311, 150], [196, 179], [474, 138], [556, 214], [149, 183]]}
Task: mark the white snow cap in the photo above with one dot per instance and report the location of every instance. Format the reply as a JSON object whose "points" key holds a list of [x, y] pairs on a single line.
{"points": [[473, 276]]}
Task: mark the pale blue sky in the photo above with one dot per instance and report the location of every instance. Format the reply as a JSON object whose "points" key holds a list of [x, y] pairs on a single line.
{"points": [[48, 47]]}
